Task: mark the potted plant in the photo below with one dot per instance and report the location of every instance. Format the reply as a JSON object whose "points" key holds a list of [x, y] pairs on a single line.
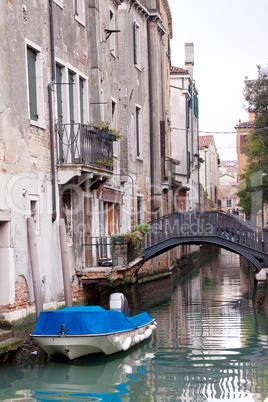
{"points": [[106, 162], [122, 243], [107, 132]]}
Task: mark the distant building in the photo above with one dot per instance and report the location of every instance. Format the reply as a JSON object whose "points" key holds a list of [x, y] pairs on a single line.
{"points": [[242, 130], [228, 186], [209, 170], [184, 134]]}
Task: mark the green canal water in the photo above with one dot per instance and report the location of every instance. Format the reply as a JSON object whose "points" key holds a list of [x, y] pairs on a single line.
{"points": [[210, 345]]}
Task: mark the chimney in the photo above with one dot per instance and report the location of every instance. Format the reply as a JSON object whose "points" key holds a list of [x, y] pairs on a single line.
{"points": [[189, 57]]}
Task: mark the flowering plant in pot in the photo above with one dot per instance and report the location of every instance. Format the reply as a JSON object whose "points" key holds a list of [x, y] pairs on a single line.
{"points": [[112, 133]]}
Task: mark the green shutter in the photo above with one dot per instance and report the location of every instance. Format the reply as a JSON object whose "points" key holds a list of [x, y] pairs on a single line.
{"points": [[31, 60], [81, 94], [59, 95], [196, 106], [60, 114], [135, 43], [71, 108]]}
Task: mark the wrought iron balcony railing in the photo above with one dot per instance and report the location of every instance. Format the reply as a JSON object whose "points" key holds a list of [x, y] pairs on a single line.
{"points": [[84, 144]]}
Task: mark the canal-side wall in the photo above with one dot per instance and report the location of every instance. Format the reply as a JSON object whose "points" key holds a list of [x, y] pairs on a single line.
{"points": [[259, 284]]}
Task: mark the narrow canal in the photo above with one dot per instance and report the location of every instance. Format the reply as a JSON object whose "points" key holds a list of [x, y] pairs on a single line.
{"points": [[210, 345]]}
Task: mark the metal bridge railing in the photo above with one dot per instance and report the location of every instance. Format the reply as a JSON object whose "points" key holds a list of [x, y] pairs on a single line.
{"points": [[206, 223]]}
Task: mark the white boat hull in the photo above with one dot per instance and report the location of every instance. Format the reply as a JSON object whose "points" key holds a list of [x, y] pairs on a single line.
{"points": [[74, 346]]}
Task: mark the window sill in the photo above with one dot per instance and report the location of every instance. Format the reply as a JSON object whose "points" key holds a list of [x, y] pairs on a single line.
{"points": [[79, 20], [38, 124], [138, 67], [139, 158]]}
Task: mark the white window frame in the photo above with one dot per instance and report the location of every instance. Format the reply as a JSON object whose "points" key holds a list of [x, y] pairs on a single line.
{"points": [[114, 125], [140, 197], [39, 84], [59, 3], [137, 44], [112, 38], [140, 154], [35, 214], [81, 14]]}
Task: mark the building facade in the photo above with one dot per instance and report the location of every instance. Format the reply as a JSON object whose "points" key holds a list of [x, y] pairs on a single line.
{"points": [[184, 139], [67, 69], [209, 170]]}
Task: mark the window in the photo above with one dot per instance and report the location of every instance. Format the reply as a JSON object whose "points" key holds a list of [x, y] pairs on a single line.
{"points": [[81, 98], [88, 231], [111, 218], [66, 213], [72, 108], [113, 35], [34, 208], [31, 58], [136, 44], [35, 84], [229, 203], [79, 11], [190, 102], [72, 99], [138, 128], [139, 209], [114, 124], [196, 106]]}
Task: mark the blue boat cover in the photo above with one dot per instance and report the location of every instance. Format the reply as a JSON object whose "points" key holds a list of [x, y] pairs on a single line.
{"points": [[85, 320]]}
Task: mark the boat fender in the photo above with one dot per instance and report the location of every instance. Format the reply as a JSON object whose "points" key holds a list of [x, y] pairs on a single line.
{"points": [[140, 330], [127, 343], [148, 333], [142, 337], [136, 338], [153, 327], [117, 343]]}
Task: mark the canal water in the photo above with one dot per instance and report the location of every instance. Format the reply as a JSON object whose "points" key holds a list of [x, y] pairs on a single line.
{"points": [[210, 345]]}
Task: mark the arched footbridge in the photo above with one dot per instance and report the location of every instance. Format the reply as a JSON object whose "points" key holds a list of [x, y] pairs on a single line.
{"points": [[212, 227]]}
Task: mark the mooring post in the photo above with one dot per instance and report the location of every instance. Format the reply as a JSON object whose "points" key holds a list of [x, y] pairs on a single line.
{"points": [[34, 266], [65, 264]]}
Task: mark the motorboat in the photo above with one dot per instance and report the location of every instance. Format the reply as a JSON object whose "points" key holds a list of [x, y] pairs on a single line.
{"points": [[83, 330]]}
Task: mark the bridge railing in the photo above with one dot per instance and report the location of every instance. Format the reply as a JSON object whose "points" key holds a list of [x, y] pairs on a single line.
{"points": [[206, 223]]}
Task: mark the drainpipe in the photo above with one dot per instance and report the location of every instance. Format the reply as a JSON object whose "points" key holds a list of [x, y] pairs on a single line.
{"points": [[151, 118], [53, 173]]}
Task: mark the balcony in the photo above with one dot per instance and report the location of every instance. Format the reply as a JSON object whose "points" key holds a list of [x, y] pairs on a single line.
{"points": [[83, 150], [169, 171]]}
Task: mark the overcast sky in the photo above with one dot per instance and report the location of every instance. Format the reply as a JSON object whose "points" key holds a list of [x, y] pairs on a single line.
{"points": [[230, 39]]}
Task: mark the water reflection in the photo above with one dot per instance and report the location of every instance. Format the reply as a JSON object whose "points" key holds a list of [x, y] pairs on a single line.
{"points": [[217, 345], [210, 345], [98, 378]]}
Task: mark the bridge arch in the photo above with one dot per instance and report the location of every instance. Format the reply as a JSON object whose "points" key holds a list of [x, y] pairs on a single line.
{"points": [[211, 227]]}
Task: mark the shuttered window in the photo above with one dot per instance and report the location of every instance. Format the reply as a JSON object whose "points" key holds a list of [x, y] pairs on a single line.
{"points": [[138, 130], [71, 109], [196, 106], [136, 44], [31, 61], [81, 95], [59, 109], [163, 138], [190, 102]]}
